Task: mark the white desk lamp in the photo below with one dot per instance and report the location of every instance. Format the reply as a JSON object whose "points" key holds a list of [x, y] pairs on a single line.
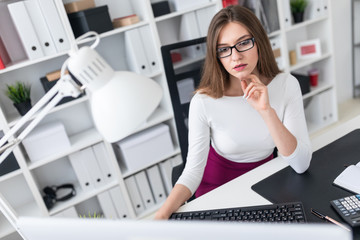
{"points": [[120, 101]]}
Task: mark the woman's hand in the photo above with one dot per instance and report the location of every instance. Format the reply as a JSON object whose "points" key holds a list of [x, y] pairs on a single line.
{"points": [[255, 92]]}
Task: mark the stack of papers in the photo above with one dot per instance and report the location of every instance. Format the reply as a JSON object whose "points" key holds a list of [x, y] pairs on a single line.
{"points": [[349, 179]]}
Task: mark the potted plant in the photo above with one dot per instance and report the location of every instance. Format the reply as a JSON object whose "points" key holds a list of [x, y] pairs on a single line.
{"points": [[19, 93], [297, 9]]}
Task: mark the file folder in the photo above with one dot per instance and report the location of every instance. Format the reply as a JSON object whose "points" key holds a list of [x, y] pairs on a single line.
{"points": [[41, 29], [107, 205], [55, 25], [26, 30], [166, 170], [103, 160], [144, 189], [189, 29], [287, 13], [156, 184], [203, 17], [149, 48], [135, 52], [134, 195], [119, 203], [81, 171], [9, 35], [88, 157]]}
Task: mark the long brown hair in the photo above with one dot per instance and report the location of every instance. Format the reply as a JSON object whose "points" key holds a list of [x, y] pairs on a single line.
{"points": [[215, 79]]}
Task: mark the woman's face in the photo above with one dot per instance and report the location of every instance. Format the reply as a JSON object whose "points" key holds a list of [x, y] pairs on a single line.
{"points": [[239, 64]]}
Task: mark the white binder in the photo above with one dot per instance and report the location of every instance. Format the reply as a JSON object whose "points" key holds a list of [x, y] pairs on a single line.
{"points": [[287, 13], [166, 171], [9, 35], [25, 30], [81, 171], [103, 161], [135, 52], [144, 189], [156, 184], [89, 159], [55, 25], [107, 205], [41, 29], [189, 29], [204, 17], [149, 48], [119, 203], [134, 195]]}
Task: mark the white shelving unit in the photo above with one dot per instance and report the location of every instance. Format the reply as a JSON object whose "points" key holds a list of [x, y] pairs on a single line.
{"points": [[23, 187], [356, 47]]}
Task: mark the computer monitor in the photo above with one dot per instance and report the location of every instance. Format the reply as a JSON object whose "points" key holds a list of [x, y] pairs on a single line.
{"points": [[106, 229]]}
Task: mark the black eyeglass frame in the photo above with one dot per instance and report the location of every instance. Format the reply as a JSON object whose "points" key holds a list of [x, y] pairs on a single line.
{"points": [[253, 44]]}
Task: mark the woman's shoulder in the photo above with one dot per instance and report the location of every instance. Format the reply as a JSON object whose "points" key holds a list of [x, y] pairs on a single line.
{"points": [[287, 80]]}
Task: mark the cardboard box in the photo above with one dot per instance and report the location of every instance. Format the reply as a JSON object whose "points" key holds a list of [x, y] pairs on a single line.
{"points": [[144, 148], [125, 21], [79, 6], [46, 140]]}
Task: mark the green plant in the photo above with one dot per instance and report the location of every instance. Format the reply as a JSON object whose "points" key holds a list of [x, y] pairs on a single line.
{"points": [[92, 215], [18, 92], [298, 6]]}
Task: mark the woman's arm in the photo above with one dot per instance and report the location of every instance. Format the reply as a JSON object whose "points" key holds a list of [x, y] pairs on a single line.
{"points": [[290, 135], [178, 196]]}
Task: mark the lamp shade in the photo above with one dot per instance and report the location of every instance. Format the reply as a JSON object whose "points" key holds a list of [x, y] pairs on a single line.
{"points": [[120, 101], [123, 104]]}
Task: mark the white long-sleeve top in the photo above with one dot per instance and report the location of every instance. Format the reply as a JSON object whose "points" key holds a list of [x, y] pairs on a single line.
{"points": [[238, 133]]}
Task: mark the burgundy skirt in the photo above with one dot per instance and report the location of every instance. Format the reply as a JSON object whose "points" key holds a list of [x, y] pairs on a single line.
{"points": [[219, 170]]}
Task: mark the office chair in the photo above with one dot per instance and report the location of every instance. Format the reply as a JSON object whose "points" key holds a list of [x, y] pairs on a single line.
{"points": [[187, 73], [194, 53]]}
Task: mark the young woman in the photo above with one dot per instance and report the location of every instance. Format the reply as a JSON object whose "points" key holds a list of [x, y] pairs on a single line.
{"points": [[243, 109]]}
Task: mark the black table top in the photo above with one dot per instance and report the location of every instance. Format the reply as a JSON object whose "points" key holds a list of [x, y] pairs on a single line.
{"points": [[315, 188]]}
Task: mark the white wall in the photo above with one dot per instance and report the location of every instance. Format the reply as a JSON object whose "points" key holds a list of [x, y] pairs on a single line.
{"points": [[341, 11]]}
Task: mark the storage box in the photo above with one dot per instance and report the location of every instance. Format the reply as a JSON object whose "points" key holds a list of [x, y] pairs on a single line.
{"points": [[46, 140], [79, 6], [48, 84], [144, 148], [178, 5], [94, 19], [160, 8], [125, 21], [304, 82]]}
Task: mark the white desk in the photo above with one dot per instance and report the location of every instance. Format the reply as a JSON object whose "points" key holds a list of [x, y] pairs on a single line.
{"points": [[238, 192]]}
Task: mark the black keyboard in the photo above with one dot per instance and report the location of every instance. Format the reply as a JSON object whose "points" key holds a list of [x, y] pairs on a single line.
{"points": [[290, 212]]}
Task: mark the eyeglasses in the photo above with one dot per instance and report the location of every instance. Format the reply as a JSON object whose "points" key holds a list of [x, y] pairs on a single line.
{"points": [[242, 46]]}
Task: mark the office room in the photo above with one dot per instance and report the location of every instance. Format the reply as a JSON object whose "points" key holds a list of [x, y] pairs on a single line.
{"points": [[72, 166]]}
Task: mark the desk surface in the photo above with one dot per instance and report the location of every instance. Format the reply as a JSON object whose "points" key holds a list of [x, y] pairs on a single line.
{"points": [[238, 192]]}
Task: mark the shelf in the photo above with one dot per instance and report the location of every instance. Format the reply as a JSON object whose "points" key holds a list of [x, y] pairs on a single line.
{"points": [[187, 61], [80, 197], [78, 142], [304, 63], [10, 175], [182, 12], [114, 32], [305, 23], [13, 119], [29, 209], [318, 89], [160, 115], [26, 63]]}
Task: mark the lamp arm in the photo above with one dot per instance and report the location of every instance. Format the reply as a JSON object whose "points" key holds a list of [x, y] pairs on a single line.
{"points": [[63, 88]]}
